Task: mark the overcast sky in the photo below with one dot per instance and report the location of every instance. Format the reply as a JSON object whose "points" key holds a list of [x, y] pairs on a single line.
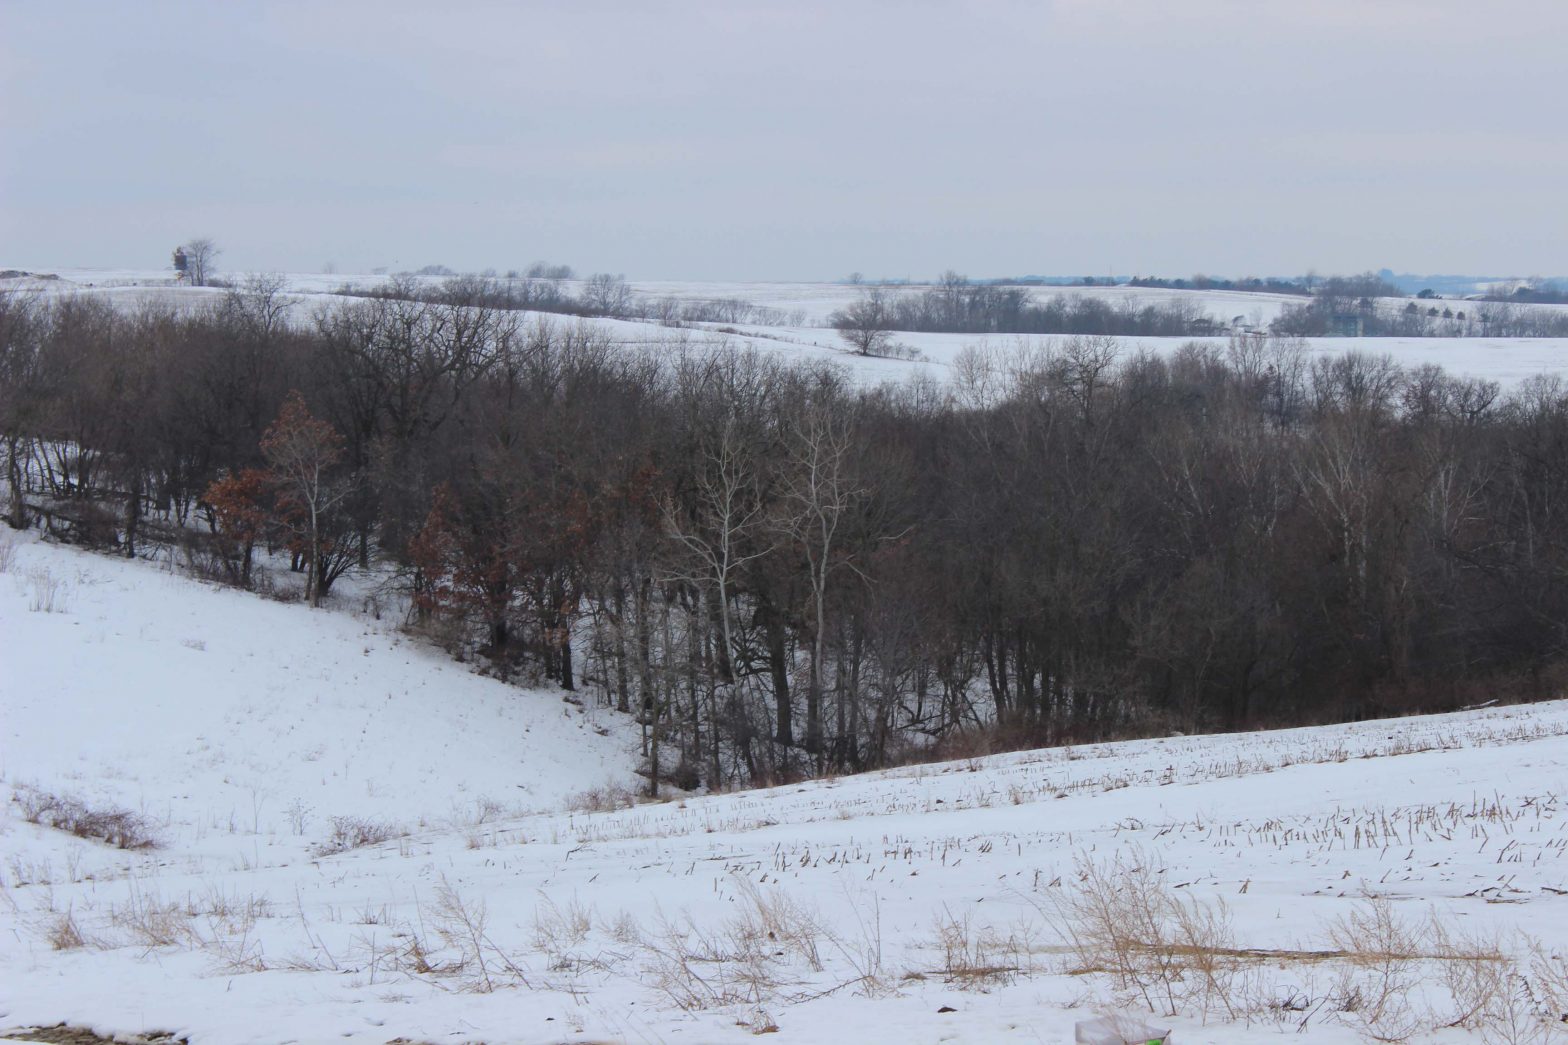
{"points": [[790, 139]]}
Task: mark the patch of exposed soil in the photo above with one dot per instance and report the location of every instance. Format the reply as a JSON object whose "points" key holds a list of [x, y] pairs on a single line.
{"points": [[64, 1034]]}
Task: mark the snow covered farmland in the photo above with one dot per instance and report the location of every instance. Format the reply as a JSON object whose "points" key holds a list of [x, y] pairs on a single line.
{"points": [[357, 839], [1505, 360]]}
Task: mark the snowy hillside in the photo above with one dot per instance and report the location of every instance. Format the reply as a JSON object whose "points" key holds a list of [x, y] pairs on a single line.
{"points": [[207, 707], [1277, 884], [1505, 360]]}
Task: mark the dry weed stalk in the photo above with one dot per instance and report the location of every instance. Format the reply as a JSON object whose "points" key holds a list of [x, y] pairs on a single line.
{"points": [[742, 961], [120, 828], [975, 956], [558, 932], [355, 832], [602, 799], [1382, 952], [776, 917], [63, 933], [1172, 953], [461, 927]]}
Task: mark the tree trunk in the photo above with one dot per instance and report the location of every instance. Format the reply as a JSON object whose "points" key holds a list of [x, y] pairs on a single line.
{"points": [[312, 589], [564, 643], [814, 698], [623, 681], [778, 666], [17, 510]]}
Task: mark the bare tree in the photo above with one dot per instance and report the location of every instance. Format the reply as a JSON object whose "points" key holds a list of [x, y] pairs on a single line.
{"points": [[719, 537], [817, 494], [607, 295], [730, 511], [259, 303], [1061, 546], [301, 451], [201, 256], [865, 324], [22, 392], [545, 270]]}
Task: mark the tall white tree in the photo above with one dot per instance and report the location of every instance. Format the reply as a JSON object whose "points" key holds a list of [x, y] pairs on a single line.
{"points": [[818, 493], [302, 451], [726, 530]]}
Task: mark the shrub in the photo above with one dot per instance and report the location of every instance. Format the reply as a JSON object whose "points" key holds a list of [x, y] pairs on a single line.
{"points": [[1382, 950], [355, 832], [117, 827], [1171, 953], [63, 933], [975, 955], [602, 799], [47, 593]]}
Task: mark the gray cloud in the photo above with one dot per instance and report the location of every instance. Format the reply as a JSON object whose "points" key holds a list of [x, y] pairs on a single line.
{"points": [[789, 139]]}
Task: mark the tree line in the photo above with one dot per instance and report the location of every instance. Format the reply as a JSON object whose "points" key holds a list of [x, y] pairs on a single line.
{"points": [[603, 295], [1353, 306], [1544, 292], [1245, 285], [958, 306], [1329, 315], [780, 573]]}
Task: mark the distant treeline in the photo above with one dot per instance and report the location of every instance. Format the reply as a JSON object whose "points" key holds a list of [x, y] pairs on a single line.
{"points": [[957, 306], [781, 573], [1247, 285], [600, 295], [1548, 293], [1351, 306], [1330, 316], [1337, 306]]}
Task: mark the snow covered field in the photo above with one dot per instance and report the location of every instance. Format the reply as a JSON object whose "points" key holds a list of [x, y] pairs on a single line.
{"points": [[947, 902], [1505, 360]]}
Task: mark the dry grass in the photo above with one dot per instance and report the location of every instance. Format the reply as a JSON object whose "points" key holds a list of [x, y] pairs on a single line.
{"points": [[217, 924], [771, 918], [603, 799], [461, 926], [769, 944], [151, 923], [1388, 959], [559, 931], [1173, 954], [355, 832], [1547, 982], [117, 827], [63, 933], [976, 956], [697, 969], [1390, 977], [862, 950], [46, 592], [1382, 968]]}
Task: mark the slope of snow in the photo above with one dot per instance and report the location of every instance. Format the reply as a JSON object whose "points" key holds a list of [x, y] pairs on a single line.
{"points": [[1505, 360], [819, 909], [214, 712]]}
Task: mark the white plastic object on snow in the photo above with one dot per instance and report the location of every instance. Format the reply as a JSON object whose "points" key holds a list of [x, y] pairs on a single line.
{"points": [[1119, 1030]]}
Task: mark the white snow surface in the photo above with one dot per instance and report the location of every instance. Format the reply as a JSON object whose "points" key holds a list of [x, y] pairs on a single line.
{"points": [[1505, 360], [213, 713]]}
